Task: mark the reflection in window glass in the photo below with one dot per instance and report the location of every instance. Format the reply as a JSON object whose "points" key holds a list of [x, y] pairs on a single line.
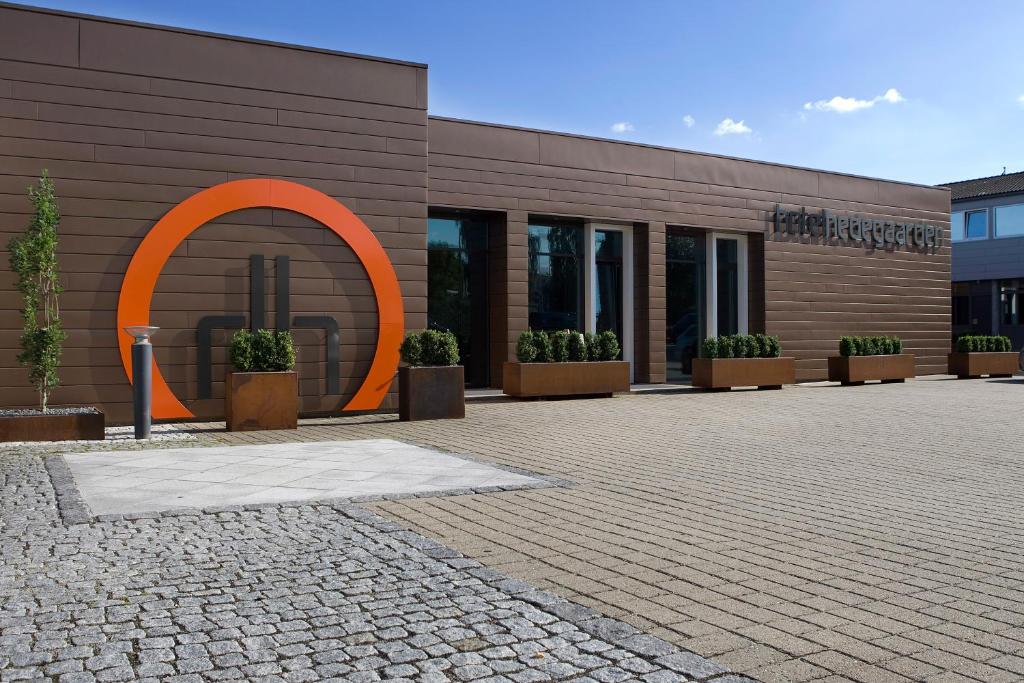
{"points": [[727, 254], [1010, 220], [1010, 301], [556, 276], [956, 226], [976, 224], [684, 303], [608, 277]]}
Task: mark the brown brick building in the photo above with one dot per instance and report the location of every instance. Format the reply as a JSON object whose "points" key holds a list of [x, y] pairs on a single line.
{"points": [[490, 230]]}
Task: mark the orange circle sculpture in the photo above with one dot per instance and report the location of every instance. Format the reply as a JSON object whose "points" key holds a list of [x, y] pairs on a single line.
{"points": [[133, 306]]}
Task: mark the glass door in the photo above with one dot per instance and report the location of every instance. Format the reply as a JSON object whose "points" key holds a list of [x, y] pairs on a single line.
{"points": [[684, 303], [609, 280], [457, 288]]}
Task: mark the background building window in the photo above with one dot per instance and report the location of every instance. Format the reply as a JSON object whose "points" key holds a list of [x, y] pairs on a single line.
{"points": [[556, 276], [1010, 220], [956, 226], [976, 224], [608, 275]]}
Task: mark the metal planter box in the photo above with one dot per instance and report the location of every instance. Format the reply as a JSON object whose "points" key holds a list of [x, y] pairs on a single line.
{"points": [[979, 363], [261, 400], [595, 378], [53, 427], [431, 393], [726, 373], [859, 369]]}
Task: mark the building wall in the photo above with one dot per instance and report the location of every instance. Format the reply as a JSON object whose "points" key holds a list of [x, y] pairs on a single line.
{"points": [[811, 292], [130, 120], [994, 258]]}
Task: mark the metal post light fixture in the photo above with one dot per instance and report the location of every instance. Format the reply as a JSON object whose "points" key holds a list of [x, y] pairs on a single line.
{"points": [[142, 378]]}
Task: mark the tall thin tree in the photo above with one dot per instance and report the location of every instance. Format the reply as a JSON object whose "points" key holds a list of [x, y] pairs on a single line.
{"points": [[33, 257]]}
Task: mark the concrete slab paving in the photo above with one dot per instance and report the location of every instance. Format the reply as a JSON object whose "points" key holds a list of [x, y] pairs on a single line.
{"points": [[160, 479]]}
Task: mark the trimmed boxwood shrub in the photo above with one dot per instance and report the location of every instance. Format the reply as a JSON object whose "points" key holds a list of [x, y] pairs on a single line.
{"points": [[974, 343], [431, 348], [741, 346], [262, 351], [869, 346], [537, 346]]}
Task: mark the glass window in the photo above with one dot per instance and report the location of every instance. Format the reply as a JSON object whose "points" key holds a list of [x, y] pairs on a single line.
{"points": [[956, 226], [1010, 220], [556, 276], [1010, 300], [976, 224], [457, 288], [684, 303], [727, 255], [608, 277]]}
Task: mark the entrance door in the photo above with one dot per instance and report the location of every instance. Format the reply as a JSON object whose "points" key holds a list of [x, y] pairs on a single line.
{"points": [[457, 288], [684, 303]]}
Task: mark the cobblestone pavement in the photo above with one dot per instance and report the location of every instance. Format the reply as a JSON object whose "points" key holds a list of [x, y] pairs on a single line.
{"points": [[282, 593], [868, 533]]}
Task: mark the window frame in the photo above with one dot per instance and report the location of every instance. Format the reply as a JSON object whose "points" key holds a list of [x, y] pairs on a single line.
{"points": [[995, 222], [988, 226]]}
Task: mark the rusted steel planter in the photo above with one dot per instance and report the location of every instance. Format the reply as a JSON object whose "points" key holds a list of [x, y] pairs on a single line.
{"points": [[431, 393], [53, 427], [859, 369], [979, 363], [597, 378], [261, 400], [726, 373]]}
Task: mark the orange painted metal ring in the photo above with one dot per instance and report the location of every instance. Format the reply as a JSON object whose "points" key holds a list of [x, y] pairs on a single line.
{"points": [[133, 306]]}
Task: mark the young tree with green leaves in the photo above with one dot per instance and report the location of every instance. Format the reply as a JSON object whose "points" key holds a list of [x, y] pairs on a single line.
{"points": [[33, 258]]}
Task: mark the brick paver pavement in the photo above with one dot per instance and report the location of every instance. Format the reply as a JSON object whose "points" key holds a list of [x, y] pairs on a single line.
{"points": [[820, 532]]}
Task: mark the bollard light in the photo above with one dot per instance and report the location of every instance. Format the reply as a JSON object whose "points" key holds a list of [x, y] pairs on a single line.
{"points": [[142, 378]]}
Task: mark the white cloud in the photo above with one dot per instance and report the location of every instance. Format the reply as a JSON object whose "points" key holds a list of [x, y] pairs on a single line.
{"points": [[1020, 100], [730, 127], [689, 121], [622, 127], [845, 105]]}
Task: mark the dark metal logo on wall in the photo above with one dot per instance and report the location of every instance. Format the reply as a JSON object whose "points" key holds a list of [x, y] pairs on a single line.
{"points": [[875, 232], [257, 313]]}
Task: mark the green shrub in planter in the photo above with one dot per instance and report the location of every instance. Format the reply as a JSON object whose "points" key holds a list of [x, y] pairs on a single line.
{"points": [[897, 345], [430, 348], [726, 347], [607, 345], [975, 343], [576, 347], [411, 349], [709, 348], [525, 350], [560, 346], [847, 346], [593, 353], [741, 346], [262, 351], [542, 346], [774, 347]]}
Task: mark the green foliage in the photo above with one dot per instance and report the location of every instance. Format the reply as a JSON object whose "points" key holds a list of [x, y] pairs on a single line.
{"points": [[607, 346], [709, 348], [577, 347], [525, 351], [593, 353], [870, 346], [542, 345], [440, 348], [33, 257], [411, 349], [560, 346], [741, 346], [847, 346], [262, 351], [974, 343]]}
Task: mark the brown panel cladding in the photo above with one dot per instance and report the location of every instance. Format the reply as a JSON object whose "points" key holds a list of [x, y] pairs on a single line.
{"points": [[150, 117], [517, 318], [808, 294], [649, 302], [497, 293]]}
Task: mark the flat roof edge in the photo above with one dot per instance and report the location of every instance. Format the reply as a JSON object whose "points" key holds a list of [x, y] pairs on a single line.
{"points": [[208, 34], [686, 151]]}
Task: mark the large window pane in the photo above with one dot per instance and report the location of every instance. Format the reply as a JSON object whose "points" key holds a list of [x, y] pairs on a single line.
{"points": [[608, 279], [1010, 220], [457, 288], [727, 256], [1010, 301], [556, 276], [684, 303], [956, 226], [976, 224]]}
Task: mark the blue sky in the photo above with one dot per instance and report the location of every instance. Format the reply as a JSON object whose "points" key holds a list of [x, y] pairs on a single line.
{"points": [[918, 91]]}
